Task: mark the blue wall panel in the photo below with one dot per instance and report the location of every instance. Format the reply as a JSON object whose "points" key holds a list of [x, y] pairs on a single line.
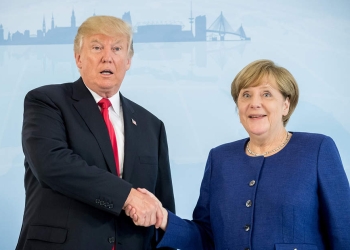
{"points": [[182, 79]]}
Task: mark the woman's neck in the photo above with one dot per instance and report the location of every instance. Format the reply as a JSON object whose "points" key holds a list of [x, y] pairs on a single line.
{"points": [[268, 144]]}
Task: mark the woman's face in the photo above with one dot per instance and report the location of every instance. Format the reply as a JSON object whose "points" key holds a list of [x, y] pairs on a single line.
{"points": [[261, 108]]}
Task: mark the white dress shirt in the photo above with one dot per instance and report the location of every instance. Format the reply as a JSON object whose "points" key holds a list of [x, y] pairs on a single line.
{"points": [[115, 113]]}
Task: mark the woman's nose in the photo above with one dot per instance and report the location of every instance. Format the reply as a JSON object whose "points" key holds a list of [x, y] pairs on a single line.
{"points": [[255, 101]]}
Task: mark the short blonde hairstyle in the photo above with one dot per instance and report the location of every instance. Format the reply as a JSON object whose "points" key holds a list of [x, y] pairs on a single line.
{"points": [[106, 25], [251, 75]]}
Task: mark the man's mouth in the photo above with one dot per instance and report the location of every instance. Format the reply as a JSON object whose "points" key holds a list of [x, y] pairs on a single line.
{"points": [[106, 72]]}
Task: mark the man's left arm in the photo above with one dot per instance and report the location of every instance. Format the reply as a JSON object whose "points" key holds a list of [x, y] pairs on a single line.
{"points": [[164, 187]]}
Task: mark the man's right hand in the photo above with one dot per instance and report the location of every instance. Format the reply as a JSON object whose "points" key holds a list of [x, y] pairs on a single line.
{"points": [[144, 208]]}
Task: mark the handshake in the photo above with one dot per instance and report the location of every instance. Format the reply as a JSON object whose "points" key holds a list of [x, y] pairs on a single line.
{"points": [[145, 209]]}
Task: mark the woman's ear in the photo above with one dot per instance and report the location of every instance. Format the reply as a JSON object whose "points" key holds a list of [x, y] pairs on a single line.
{"points": [[286, 106]]}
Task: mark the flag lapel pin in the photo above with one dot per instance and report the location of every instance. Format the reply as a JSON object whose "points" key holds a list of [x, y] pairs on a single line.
{"points": [[134, 122]]}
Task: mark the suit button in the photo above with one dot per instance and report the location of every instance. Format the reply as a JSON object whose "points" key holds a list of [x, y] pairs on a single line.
{"points": [[111, 239], [247, 228], [252, 183], [246, 248], [248, 203]]}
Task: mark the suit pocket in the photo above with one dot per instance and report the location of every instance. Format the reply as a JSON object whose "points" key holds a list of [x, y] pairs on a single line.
{"points": [[48, 234], [295, 247], [148, 160]]}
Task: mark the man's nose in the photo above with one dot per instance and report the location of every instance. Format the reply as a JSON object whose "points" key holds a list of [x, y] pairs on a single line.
{"points": [[107, 56]]}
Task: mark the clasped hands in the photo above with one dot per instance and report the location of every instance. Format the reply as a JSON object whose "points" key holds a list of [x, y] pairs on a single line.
{"points": [[145, 209]]}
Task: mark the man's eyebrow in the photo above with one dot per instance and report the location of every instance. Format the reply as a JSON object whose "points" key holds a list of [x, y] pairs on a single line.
{"points": [[95, 41], [117, 42]]}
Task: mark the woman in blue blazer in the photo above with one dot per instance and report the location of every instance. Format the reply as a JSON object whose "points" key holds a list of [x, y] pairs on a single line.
{"points": [[274, 190]]}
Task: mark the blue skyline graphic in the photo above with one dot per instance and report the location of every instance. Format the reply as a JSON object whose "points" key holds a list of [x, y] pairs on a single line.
{"points": [[219, 30]]}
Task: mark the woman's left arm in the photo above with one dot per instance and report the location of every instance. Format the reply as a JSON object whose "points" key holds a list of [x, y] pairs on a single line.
{"points": [[334, 194]]}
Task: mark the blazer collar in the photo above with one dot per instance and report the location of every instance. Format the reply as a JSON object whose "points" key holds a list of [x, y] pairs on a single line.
{"points": [[131, 133], [88, 110], [90, 113]]}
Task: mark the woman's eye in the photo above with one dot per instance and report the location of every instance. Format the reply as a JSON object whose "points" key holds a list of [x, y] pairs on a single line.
{"points": [[267, 94], [245, 95]]}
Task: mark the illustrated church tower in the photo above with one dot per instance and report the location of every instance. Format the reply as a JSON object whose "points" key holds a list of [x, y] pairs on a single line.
{"points": [[52, 23], [1, 33], [72, 20], [44, 26]]}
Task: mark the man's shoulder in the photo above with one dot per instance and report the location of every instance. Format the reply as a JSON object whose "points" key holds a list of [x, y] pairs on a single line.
{"points": [[53, 89], [136, 108]]}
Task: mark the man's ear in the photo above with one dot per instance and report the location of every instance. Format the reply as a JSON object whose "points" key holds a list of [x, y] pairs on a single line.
{"points": [[128, 63], [78, 60]]}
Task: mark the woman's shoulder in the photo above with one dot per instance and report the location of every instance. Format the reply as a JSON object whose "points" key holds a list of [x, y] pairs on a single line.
{"points": [[308, 135], [230, 147], [307, 138]]}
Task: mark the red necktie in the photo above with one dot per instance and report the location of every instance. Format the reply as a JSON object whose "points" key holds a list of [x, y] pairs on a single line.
{"points": [[105, 104]]}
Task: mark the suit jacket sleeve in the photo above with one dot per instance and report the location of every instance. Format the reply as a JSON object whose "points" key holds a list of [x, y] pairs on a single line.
{"points": [[56, 166], [164, 187], [195, 234], [334, 194]]}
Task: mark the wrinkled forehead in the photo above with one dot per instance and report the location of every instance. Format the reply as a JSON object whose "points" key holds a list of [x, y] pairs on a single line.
{"points": [[102, 38]]}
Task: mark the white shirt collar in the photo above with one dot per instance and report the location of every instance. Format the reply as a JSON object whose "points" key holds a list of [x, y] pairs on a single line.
{"points": [[115, 100]]}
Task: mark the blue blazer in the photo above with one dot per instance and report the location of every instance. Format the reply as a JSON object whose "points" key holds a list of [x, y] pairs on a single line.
{"points": [[298, 198]]}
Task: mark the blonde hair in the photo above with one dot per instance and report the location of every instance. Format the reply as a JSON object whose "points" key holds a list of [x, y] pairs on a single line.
{"points": [[106, 25], [251, 75]]}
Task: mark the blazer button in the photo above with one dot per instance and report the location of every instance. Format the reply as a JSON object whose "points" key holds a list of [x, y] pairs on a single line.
{"points": [[111, 239], [248, 203], [252, 183], [247, 228]]}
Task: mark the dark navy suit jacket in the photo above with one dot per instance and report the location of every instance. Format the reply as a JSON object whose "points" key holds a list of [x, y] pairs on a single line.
{"points": [[298, 198], [74, 199]]}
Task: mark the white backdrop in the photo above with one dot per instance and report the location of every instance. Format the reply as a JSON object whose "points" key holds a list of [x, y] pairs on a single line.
{"points": [[186, 84]]}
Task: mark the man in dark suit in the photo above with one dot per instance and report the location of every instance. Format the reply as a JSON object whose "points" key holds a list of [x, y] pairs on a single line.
{"points": [[74, 154]]}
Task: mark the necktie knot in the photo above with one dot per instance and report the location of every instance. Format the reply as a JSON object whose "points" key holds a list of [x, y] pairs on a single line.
{"points": [[104, 103]]}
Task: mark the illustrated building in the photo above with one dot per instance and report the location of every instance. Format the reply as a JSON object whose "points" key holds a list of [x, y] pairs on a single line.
{"points": [[144, 33], [1, 33]]}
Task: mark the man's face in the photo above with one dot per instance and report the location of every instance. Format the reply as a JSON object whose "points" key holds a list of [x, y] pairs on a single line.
{"points": [[103, 62]]}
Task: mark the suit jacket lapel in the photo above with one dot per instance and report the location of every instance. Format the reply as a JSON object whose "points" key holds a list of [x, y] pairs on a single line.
{"points": [[131, 130], [90, 113]]}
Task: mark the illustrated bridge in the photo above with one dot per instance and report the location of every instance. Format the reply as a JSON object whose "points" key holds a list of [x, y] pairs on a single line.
{"points": [[222, 28]]}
